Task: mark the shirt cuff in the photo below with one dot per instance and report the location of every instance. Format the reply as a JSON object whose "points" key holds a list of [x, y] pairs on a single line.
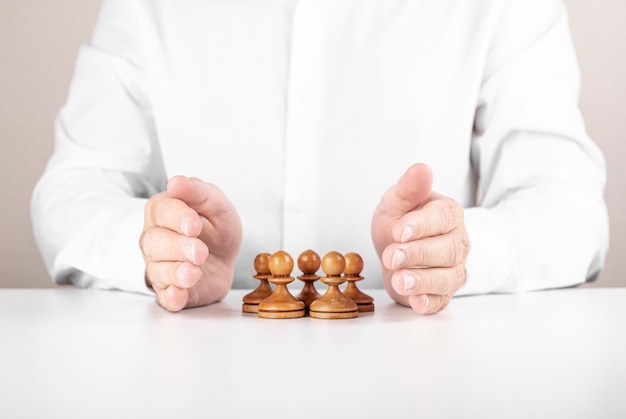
{"points": [[490, 261], [105, 254]]}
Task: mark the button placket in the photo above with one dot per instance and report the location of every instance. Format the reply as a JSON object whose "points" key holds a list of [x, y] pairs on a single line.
{"points": [[302, 145]]}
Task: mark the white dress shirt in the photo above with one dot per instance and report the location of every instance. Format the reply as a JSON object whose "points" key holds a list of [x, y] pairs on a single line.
{"points": [[305, 112]]}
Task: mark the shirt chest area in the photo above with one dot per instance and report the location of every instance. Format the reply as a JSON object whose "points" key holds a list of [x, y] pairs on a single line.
{"points": [[315, 96], [259, 68]]}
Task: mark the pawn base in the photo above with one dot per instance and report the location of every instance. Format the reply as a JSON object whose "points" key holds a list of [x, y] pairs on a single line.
{"points": [[366, 308], [281, 314], [250, 308], [333, 315]]}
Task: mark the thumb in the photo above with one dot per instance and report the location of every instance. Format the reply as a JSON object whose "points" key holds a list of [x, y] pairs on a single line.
{"points": [[204, 198], [411, 191]]}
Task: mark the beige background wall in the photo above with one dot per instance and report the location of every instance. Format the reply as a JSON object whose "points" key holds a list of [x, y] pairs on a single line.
{"points": [[38, 44]]}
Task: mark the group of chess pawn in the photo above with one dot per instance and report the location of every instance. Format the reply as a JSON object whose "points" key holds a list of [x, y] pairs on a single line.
{"points": [[334, 304]]}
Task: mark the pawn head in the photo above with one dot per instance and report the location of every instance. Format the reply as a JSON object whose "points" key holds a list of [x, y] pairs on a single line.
{"points": [[309, 262], [333, 263], [354, 264], [261, 263], [281, 263]]}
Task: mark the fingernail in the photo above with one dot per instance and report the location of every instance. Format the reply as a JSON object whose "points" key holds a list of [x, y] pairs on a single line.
{"points": [[409, 281], [190, 252], [180, 273], [399, 257], [426, 301], [407, 234], [168, 293], [184, 225]]}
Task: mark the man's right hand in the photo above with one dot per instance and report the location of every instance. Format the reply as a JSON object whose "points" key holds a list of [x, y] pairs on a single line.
{"points": [[191, 237]]}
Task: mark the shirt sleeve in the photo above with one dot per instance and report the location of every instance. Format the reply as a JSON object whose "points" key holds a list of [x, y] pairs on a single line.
{"points": [[87, 208], [541, 221]]}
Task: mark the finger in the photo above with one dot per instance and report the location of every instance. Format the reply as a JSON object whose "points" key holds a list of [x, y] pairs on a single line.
{"points": [[439, 251], [412, 190], [163, 274], [173, 298], [440, 281], [173, 214], [428, 303], [205, 198], [160, 244], [439, 215], [221, 226]]}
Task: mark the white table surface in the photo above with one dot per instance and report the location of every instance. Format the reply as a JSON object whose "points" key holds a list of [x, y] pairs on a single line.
{"points": [[68, 353]]}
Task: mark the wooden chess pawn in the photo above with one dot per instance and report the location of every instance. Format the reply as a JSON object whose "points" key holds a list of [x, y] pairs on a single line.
{"points": [[309, 262], [333, 304], [352, 274], [281, 304], [261, 266]]}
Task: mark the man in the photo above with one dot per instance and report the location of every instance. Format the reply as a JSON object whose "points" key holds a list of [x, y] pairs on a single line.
{"points": [[286, 124]]}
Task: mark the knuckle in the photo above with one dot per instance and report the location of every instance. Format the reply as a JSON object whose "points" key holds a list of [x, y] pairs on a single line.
{"points": [[420, 255], [458, 279], [442, 283], [437, 281], [460, 276], [426, 281], [449, 215], [459, 250]]}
